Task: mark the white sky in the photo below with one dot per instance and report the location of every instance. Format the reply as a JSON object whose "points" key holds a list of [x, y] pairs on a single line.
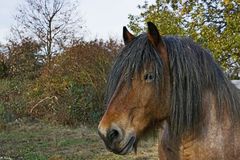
{"points": [[103, 18]]}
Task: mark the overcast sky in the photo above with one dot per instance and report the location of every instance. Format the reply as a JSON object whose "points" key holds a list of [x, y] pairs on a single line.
{"points": [[103, 18]]}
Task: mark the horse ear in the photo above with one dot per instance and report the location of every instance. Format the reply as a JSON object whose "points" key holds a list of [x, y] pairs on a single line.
{"points": [[153, 35], [127, 36]]}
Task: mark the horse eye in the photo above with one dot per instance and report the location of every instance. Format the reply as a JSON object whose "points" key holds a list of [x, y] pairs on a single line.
{"points": [[149, 77]]}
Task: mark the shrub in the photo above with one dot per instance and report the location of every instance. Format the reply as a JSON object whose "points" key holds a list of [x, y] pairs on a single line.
{"points": [[70, 90], [22, 59], [3, 65], [13, 100]]}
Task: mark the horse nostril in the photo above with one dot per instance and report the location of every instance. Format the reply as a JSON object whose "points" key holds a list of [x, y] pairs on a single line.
{"points": [[113, 135]]}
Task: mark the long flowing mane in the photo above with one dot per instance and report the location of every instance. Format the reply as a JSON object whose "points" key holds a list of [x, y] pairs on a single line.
{"points": [[192, 72]]}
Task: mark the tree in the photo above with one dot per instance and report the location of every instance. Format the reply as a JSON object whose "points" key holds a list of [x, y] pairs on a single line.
{"points": [[167, 22], [52, 23], [214, 24]]}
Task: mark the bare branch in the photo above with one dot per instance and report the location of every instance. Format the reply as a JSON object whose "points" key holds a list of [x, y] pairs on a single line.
{"points": [[47, 21]]}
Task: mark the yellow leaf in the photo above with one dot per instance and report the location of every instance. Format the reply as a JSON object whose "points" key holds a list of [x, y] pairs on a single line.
{"points": [[226, 2]]}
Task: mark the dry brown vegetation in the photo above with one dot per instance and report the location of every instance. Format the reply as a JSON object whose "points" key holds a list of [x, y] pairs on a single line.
{"points": [[34, 140], [69, 90]]}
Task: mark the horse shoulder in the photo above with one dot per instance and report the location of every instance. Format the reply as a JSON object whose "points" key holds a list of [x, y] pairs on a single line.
{"points": [[218, 140]]}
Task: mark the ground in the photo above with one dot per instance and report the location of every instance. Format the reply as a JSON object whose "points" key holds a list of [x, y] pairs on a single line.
{"points": [[40, 141]]}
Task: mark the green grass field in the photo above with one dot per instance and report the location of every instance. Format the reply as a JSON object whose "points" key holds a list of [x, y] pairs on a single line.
{"points": [[39, 141]]}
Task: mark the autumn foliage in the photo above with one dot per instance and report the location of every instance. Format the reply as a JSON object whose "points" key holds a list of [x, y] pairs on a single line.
{"points": [[69, 90]]}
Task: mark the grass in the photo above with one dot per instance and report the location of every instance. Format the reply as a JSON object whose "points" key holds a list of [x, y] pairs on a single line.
{"points": [[39, 141]]}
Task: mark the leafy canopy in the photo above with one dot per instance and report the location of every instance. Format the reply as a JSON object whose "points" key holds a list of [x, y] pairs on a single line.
{"points": [[213, 23]]}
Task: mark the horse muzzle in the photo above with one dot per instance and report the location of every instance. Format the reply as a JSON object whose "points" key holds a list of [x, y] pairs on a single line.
{"points": [[117, 141]]}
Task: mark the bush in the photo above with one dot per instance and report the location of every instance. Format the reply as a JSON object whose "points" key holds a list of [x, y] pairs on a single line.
{"points": [[13, 100], [71, 89], [3, 70], [22, 61], [3, 65]]}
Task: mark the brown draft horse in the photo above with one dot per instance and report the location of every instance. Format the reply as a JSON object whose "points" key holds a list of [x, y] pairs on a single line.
{"points": [[173, 84]]}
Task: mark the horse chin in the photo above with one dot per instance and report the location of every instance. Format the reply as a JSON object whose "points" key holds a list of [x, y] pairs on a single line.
{"points": [[129, 146]]}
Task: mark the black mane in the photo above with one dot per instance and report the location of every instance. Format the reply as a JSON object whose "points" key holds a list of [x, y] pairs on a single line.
{"points": [[192, 70]]}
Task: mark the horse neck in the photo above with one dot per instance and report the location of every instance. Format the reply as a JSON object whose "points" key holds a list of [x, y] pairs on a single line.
{"points": [[220, 134]]}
